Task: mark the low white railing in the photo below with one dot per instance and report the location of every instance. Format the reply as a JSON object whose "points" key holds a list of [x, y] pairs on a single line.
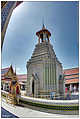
{"points": [[50, 102], [45, 101]]}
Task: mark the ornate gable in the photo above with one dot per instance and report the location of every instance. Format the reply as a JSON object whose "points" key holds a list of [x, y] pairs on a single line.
{"points": [[10, 73]]}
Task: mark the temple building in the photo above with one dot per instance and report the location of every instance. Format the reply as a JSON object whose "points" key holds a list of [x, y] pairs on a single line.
{"points": [[44, 71], [71, 78], [6, 77]]}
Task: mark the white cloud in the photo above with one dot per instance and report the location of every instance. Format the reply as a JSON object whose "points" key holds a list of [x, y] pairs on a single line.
{"points": [[18, 70]]}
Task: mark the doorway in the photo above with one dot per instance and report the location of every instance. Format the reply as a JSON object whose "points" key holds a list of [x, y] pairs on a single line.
{"points": [[33, 88]]}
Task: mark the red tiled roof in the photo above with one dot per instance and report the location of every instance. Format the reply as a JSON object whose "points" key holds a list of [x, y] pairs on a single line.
{"points": [[22, 77], [71, 76], [5, 68], [3, 71], [72, 81], [71, 71]]}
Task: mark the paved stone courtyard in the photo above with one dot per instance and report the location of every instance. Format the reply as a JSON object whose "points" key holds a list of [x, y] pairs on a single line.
{"points": [[24, 112], [7, 114]]}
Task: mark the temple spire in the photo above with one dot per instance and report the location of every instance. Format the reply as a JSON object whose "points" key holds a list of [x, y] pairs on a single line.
{"points": [[15, 69], [43, 35], [43, 26]]}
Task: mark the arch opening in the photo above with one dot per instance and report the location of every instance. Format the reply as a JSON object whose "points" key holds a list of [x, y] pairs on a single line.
{"points": [[33, 88]]}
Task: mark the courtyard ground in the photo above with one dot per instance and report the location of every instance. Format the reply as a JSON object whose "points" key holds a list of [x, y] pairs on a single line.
{"points": [[24, 112]]}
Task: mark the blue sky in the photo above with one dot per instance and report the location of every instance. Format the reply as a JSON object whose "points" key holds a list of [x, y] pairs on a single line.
{"points": [[60, 18]]}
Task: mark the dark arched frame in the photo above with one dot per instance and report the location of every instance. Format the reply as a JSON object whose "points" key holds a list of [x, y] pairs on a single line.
{"points": [[7, 8]]}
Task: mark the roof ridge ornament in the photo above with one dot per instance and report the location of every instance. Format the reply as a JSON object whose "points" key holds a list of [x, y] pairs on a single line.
{"points": [[43, 26], [42, 22]]}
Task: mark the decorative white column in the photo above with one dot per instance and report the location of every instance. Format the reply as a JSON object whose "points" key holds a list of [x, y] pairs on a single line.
{"points": [[49, 76], [44, 75], [71, 87], [74, 88], [3, 86]]}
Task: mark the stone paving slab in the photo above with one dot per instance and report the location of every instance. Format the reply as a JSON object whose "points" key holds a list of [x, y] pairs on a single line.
{"points": [[24, 112], [7, 114]]}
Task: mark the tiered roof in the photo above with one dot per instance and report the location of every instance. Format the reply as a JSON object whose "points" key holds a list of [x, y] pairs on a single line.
{"points": [[21, 78], [71, 75], [4, 71]]}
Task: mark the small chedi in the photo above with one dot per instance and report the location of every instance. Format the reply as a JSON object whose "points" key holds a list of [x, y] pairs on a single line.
{"points": [[44, 71]]}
